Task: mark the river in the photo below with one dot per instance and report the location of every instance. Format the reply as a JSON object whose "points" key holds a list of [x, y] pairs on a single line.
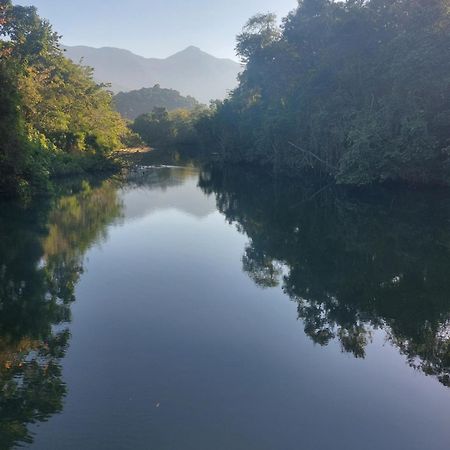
{"points": [[224, 310]]}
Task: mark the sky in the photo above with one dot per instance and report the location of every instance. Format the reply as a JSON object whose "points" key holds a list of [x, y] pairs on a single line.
{"points": [[155, 28]]}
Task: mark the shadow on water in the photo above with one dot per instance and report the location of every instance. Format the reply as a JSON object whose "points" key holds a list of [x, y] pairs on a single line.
{"points": [[352, 262], [41, 259]]}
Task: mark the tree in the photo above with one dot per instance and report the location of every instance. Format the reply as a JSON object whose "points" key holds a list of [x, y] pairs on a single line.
{"points": [[55, 118], [355, 90], [259, 33], [135, 103]]}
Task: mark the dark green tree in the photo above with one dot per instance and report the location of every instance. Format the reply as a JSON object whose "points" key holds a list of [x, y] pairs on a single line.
{"points": [[357, 90]]}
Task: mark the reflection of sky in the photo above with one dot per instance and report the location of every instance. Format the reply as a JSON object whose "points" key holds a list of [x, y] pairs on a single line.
{"points": [[172, 192]]}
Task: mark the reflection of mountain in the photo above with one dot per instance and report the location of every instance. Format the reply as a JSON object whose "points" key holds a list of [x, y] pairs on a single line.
{"points": [[166, 188], [41, 260], [351, 265]]}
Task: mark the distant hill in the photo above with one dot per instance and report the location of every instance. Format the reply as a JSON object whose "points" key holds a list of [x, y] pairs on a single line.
{"points": [[134, 103], [191, 71]]}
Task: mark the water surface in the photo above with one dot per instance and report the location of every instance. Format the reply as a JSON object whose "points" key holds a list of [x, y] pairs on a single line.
{"points": [[225, 310]]}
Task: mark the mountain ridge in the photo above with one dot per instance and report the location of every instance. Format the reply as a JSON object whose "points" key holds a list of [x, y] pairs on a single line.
{"points": [[190, 71]]}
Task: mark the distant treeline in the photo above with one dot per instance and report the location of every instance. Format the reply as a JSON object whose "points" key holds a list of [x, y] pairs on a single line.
{"points": [[162, 128], [135, 103], [54, 119], [358, 90]]}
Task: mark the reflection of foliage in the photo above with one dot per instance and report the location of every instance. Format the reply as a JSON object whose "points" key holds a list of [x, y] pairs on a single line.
{"points": [[262, 269], [352, 264], [32, 387], [41, 260]]}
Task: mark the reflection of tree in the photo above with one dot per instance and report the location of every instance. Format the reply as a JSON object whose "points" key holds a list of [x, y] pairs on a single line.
{"points": [[41, 260], [263, 270], [353, 262]]}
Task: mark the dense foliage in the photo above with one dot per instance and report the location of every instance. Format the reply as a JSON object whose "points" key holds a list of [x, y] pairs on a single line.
{"points": [[54, 119], [162, 128], [135, 103], [358, 89]]}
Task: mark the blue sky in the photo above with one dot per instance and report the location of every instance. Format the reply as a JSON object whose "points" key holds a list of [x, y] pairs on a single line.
{"points": [[155, 27]]}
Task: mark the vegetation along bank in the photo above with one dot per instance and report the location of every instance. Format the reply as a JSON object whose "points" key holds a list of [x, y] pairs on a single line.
{"points": [[356, 90], [55, 120]]}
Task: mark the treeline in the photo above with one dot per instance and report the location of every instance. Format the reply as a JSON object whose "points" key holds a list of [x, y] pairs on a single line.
{"points": [[358, 90], [163, 128], [54, 119], [135, 103]]}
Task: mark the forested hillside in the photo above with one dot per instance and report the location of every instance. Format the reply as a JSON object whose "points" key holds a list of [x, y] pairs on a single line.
{"points": [[359, 90], [134, 103], [54, 119]]}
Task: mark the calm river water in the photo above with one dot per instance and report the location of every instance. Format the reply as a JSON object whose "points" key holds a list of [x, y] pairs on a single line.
{"points": [[223, 310]]}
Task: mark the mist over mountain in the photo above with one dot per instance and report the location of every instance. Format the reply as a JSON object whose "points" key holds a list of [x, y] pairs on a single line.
{"points": [[191, 71]]}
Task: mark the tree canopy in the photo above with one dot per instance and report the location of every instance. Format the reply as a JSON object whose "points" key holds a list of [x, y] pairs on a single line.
{"points": [[54, 118], [143, 101], [358, 90], [162, 128]]}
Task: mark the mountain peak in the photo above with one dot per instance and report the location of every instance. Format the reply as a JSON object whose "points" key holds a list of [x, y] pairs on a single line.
{"points": [[191, 71], [189, 52], [191, 49]]}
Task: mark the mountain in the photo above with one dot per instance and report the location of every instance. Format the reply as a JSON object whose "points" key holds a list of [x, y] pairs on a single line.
{"points": [[191, 71], [134, 103]]}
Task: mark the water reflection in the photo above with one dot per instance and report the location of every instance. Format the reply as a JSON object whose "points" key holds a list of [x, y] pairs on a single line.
{"points": [[41, 259], [149, 189], [352, 262]]}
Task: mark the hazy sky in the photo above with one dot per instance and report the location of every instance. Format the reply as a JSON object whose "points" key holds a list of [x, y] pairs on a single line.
{"points": [[155, 27]]}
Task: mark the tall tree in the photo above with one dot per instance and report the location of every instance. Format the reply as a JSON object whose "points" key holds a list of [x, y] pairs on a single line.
{"points": [[54, 117], [359, 90]]}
